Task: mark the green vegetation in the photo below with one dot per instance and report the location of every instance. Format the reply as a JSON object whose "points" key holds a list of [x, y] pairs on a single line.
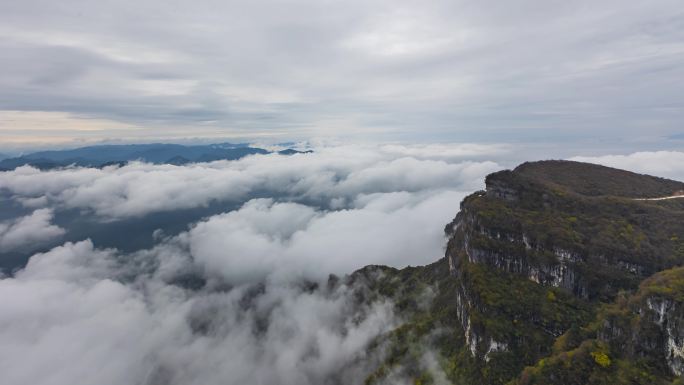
{"points": [[668, 283], [546, 280], [601, 358], [594, 180], [623, 341], [622, 240]]}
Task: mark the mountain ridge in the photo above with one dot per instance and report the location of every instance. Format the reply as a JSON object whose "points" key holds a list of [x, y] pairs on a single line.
{"points": [[553, 274], [158, 153]]}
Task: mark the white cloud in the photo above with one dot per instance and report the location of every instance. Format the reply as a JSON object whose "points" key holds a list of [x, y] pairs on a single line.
{"points": [[285, 239], [30, 230], [667, 164], [450, 152], [60, 327], [82, 314], [339, 173], [332, 211]]}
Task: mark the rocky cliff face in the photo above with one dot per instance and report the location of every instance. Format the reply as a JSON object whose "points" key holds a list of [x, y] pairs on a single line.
{"points": [[549, 268], [649, 325], [517, 253], [635, 340], [668, 315]]}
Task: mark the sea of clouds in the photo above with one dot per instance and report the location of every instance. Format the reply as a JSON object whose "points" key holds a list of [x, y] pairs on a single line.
{"points": [[80, 313], [340, 207], [240, 296]]}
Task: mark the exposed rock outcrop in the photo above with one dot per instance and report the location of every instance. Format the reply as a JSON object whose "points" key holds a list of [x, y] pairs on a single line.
{"points": [[500, 229], [669, 316], [549, 268]]}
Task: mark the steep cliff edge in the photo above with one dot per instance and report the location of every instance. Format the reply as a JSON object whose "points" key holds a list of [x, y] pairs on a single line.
{"points": [[552, 261], [639, 339]]}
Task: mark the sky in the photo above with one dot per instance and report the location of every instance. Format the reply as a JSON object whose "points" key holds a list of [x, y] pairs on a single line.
{"points": [[606, 73]]}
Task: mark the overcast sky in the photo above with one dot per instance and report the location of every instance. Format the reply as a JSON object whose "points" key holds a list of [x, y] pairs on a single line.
{"points": [[457, 71]]}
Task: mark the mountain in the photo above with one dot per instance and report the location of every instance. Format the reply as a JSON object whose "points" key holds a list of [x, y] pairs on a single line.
{"points": [[559, 273], [290, 151], [100, 156]]}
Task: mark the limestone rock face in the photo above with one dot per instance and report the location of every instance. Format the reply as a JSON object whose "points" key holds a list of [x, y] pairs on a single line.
{"points": [[649, 325], [554, 237], [559, 272], [669, 316]]}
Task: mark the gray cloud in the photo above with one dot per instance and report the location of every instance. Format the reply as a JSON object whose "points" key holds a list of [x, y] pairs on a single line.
{"points": [[71, 316], [532, 69], [30, 230]]}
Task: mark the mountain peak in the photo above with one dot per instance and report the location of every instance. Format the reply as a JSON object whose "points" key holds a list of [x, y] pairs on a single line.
{"points": [[549, 269], [594, 180]]}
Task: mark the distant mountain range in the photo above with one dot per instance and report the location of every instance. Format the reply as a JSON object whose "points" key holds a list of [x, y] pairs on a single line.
{"points": [[157, 153]]}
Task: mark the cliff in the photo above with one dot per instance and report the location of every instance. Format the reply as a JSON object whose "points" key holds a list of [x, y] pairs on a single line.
{"points": [[639, 339], [561, 267]]}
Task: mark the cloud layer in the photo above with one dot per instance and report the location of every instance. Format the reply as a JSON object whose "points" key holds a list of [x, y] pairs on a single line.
{"points": [[239, 296], [331, 211], [446, 69], [81, 315], [332, 175], [291, 239]]}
